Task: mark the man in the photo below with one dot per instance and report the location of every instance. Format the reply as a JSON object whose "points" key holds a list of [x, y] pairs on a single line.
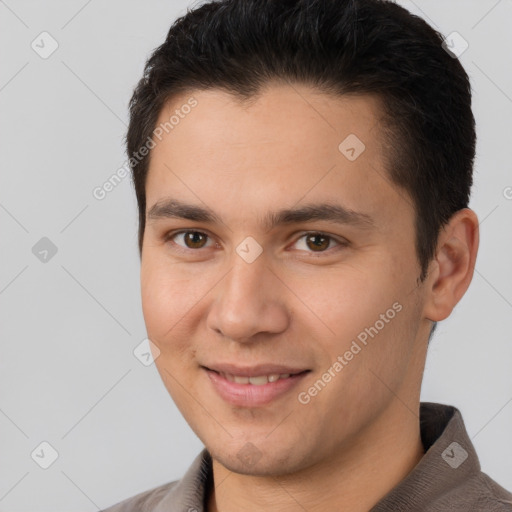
{"points": [[303, 225]]}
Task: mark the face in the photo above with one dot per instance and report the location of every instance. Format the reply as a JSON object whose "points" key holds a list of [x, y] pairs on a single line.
{"points": [[243, 264]]}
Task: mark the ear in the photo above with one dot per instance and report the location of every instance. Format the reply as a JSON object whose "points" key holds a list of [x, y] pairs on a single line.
{"points": [[452, 269]]}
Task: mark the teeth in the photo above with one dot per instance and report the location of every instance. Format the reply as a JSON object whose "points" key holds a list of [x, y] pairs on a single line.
{"points": [[260, 380]]}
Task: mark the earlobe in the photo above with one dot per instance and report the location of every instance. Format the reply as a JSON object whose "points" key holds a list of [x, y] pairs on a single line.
{"points": [[453, 266]]}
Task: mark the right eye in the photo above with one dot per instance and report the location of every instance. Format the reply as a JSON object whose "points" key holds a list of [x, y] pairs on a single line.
{"points": [[191, 240]]}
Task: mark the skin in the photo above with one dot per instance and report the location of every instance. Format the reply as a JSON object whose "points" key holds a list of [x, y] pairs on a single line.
{"points": [[296, 304]]}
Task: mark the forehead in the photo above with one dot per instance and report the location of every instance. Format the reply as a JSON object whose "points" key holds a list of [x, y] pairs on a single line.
{"points": [[290, 115], [287, 143]]}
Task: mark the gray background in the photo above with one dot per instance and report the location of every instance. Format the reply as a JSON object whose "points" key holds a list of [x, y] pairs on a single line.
{"points": [[69, 325]]}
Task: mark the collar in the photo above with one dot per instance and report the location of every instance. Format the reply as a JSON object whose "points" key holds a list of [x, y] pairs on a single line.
{"points": [[449, 461]]}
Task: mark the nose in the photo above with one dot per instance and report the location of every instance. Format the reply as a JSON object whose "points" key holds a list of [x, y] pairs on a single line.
{"points": [[250, 300]]}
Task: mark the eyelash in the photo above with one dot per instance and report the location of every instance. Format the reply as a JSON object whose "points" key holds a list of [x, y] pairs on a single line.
{"points": [[180, 249]]}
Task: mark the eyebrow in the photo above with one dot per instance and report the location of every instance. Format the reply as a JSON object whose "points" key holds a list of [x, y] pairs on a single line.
{"points": [[173, 208]]}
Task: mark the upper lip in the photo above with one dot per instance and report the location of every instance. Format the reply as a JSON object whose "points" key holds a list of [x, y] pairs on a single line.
{"points": [[254, 371]]}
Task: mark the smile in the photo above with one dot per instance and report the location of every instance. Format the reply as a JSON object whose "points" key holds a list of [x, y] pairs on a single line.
{"points": [[253, 391]]}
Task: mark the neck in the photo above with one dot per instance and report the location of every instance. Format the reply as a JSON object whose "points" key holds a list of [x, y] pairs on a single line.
{"points": [[354, 479]]}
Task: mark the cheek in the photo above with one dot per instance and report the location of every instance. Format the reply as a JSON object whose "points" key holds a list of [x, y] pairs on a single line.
{"points": [[347, 301], [166, 298], [157, 303], [165, 309], [370, 318], [173, 303]]}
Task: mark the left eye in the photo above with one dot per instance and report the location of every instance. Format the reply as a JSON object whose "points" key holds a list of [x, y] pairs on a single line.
{"points": [[317, 242]]}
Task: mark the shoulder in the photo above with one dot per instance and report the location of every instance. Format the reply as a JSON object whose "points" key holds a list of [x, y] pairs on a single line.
{"points": [[144, 501], [479, 493], [497, 497]]}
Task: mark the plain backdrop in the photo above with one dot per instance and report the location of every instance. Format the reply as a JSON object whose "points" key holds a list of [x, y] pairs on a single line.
{"points": [[69, 275]]}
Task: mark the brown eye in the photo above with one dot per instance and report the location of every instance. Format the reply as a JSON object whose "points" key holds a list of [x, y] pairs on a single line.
{"points": [[184, 240], [318, 242], [194, 239]]}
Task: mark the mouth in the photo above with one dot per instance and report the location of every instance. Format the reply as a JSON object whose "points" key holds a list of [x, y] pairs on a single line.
{"points": [[255, 390], [257, 380]]}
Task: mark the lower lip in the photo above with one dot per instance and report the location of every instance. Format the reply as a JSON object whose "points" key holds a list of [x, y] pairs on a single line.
{"points": [[250, 395]]}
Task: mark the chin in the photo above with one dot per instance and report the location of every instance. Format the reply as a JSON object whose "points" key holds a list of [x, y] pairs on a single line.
{"points": [[249, 460]]}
